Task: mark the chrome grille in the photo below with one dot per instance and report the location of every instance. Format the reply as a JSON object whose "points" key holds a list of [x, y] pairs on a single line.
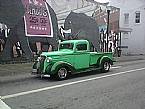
{"points": [[42, 59]]}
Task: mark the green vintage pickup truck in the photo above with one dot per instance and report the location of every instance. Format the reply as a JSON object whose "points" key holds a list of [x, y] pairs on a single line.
{"points": [[72, 57]]}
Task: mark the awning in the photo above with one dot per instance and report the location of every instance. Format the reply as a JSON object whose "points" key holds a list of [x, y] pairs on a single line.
{"points": [[122, 29]]}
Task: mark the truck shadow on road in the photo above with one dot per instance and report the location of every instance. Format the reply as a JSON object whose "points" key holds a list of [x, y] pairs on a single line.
{"points": [[74, 76], [87, 74]]}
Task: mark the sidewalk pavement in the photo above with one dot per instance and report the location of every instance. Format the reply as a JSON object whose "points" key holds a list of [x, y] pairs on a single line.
{"points": [[3, 105], [130, 58], [18, 72], [15, 72]]}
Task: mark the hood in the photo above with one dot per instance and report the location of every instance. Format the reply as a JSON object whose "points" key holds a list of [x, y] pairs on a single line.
{"points": [[57, 53]]}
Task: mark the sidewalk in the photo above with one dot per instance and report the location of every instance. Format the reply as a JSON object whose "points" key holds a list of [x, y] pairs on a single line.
{"points": [[130, 58], [13, 72], [3, 105], [17, 72]]}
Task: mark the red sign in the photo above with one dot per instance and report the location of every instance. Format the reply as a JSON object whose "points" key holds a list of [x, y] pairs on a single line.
{"points": [[37, 19]]}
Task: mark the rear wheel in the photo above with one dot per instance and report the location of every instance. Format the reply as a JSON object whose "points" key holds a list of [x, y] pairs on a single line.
{"points": [[105, 66]]}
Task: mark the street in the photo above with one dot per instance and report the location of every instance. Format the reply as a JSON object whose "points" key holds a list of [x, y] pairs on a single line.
{"points": [[121, 88]]}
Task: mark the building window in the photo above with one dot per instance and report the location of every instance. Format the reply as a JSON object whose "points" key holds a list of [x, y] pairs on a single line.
{"points": [[126, 18], [137, 17]]}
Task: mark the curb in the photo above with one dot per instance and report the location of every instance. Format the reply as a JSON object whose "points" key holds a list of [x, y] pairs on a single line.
{"points": [[125, 63], [128, 60], [16, 78]]}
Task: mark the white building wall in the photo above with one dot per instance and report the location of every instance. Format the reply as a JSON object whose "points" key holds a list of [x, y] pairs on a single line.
{"points": [[143, 20], [135, 39]]}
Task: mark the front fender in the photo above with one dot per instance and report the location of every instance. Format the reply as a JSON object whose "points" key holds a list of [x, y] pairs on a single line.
{"points": [[59, 64]]}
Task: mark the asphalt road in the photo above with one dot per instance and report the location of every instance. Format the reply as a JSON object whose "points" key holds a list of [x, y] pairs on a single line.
{"points": [[121, 88]]}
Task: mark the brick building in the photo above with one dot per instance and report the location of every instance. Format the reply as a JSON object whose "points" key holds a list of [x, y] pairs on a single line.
{"points": [[101, 19]]}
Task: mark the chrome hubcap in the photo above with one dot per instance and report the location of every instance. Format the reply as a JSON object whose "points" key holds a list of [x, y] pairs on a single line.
{"points": [[62, 73], [106, 66]]}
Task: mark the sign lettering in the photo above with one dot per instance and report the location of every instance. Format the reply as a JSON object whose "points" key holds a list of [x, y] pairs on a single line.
{"points": [[37, 19]]}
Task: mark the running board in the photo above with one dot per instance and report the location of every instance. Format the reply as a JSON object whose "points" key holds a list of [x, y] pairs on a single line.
{"points": [[87, 70]]}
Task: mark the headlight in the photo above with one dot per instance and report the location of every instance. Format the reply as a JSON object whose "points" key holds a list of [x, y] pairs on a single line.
{"points": [[38, 58], [49, 59]]}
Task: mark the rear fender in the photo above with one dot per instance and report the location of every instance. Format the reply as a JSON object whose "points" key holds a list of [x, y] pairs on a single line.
{"points": [[105, 58]]}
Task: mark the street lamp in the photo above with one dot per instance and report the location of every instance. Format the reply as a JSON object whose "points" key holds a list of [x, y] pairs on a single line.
{"points": [[107, 31]]}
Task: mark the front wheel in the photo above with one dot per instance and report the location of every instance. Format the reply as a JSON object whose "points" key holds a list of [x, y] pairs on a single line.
{"points": [[105, 66], [62, 73]]}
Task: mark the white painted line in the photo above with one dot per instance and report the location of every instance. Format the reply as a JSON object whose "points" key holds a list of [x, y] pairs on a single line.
{"points": [[3, 105], [115, 67], [67, 84]]}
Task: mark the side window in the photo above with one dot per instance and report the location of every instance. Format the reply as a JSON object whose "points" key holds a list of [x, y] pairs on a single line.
{"points": [[126, 18], [81, 47], [137, 17]]}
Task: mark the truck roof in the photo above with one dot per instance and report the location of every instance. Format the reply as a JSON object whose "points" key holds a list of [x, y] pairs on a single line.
{"points": [[74, 41]]}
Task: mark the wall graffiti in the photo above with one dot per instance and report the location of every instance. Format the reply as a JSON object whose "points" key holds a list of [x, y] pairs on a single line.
{"points": [[113, 43]]}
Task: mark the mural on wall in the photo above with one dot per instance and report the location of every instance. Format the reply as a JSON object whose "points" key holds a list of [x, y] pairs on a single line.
{"points": [[114, 43], [83, 27], [13, 17], [33, 27], [87, 28]]}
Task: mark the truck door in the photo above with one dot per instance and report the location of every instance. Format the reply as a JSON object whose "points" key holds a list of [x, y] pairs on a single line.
{"points": [[82, 56]]}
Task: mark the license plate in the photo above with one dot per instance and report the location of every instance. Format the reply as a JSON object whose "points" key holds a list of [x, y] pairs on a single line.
{"points": [[46, 75], [34, 71]]}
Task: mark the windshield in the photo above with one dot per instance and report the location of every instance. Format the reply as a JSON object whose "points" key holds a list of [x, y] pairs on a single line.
{"points": [[66, 46]]}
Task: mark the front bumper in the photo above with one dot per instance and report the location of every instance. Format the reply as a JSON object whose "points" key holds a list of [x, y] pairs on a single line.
{"points": [[36, 72]]}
